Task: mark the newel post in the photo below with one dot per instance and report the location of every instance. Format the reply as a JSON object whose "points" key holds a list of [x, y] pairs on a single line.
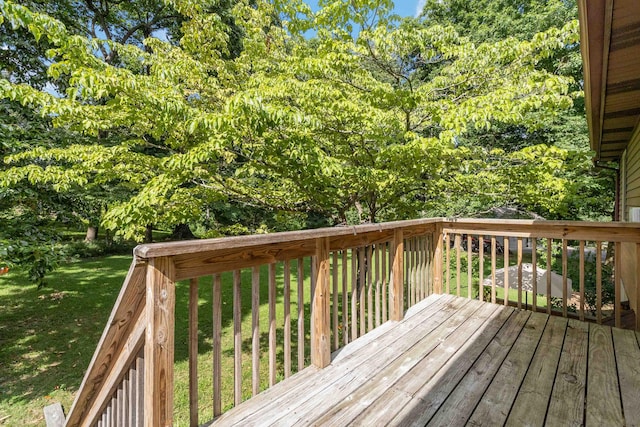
{"points": [[396, 296], [637, 284], [437, 259], [159, 343], [320, 322]]}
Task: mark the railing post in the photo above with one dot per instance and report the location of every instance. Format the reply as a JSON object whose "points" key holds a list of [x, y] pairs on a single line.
{"points": [[320, 321], [637, 285], [437, 259], [159, 343], [397, 276]]}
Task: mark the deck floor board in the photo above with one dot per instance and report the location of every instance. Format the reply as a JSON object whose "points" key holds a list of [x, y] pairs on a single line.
{"points": [[457, 362]]}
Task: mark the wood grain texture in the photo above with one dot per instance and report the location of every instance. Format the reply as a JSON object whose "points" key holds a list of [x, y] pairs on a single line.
{"points": [[396, 294], [603, 405], [193, 353], [301, 336], [237, 338], [127, 308], [217, 344], [627, 357], [566, 407], [287, 319], [255, 330], [272, 325], [159, 343], [320, 320], [530, 406]]}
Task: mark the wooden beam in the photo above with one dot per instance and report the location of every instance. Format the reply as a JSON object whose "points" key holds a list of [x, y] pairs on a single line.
{"points": [[637, 284], [320, 313], [159, 343], [396, 294], [437, 260], [126, 310]]}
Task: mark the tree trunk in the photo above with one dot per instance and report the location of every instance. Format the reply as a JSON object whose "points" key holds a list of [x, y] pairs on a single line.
{"points": [[92, 233], [148, 234], [182, 232]]}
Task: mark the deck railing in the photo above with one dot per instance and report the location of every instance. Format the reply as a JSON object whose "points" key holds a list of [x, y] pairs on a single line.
{"points": [[291, 299]]}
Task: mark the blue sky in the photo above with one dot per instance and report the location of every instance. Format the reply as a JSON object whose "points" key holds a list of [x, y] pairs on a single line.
{"points": [[402, 7]]}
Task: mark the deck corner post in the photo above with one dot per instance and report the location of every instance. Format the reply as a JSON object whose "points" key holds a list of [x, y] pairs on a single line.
{"points": [[397, 276], [637, 284], [320, 313], [437, 259], [159, 342]]}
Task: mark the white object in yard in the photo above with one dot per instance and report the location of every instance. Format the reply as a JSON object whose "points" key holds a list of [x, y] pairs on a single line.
{"points": [[527, 280]]}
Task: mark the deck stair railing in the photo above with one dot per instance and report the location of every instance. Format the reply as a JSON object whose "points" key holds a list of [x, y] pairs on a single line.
{"points": [[291, 299]]}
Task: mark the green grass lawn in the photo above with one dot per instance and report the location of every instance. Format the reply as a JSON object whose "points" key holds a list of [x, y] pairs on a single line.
{"points": [[48, 336]]}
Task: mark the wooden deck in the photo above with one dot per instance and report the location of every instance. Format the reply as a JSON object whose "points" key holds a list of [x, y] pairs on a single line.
{"points": [[454, 361]]}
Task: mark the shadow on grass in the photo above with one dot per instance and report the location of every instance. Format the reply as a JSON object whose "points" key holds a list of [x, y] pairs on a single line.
{"points": [[47, 337]]}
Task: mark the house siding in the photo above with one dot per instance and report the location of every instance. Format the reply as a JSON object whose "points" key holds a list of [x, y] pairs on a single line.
{"points": [[630, 198]]}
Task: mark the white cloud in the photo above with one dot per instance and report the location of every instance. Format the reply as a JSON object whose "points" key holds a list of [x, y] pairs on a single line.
{"points": [[419, 7]]}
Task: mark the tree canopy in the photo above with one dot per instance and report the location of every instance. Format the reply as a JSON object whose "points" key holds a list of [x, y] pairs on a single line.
{"points": [[366, 120]]}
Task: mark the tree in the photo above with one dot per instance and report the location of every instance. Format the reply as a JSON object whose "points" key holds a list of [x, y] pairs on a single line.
{"points": [[587, 191], [339, 123]]}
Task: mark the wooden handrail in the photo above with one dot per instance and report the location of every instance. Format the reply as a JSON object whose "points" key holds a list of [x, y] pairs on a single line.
{"points": [[392, 266]]}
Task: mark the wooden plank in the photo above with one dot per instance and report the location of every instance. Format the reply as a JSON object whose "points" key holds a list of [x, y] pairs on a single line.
{"points": [[564, 277], [354, 294], [385, 283], [566, 406], [304, 410], [505, 245], [193, 352], [416, 226], [627, 355], [458, 406], [320, 320], [582, 294], [481, 268], [436, 271], [457, 244], [272, 325], [345, 300], [335, 301], [359, 401], [362, 291], [603, 406], [549, 255], [599, 282], [120, 365], [301, 336], [459, 349], [396, 296], [370, 308], [217, 345], [139, 389], [159, 343], [448, 261], [287, 319], [637, 287], [530, 406], [237, 338], [534, 273], [519, 263], [617, 284], [496, 402], [54, 415], [493, 269], [378, 287], [278, 400], [255, 330], [469, 267], [127, 308]]}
